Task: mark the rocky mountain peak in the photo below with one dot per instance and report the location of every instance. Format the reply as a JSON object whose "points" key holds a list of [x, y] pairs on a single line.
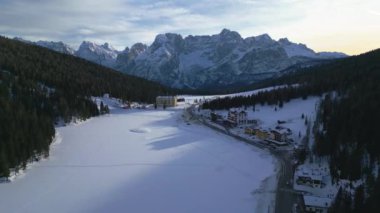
{"points": [[107, 46], [229, 35], [102, 54], [126, 50], [263, 37], [284, 41], [167, 43], [56, 46], [139, 48]]}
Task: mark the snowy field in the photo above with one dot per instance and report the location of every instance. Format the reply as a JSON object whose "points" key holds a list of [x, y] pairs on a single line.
{"points": [[192, 98], [144, 161]]}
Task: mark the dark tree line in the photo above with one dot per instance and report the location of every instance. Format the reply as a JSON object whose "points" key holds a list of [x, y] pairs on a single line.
{"points": [[358, 202], [38, 87], [26, 122], [277, 96]]}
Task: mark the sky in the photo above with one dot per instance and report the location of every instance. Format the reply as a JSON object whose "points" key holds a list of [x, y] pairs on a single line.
{"points": [[349, 26]]}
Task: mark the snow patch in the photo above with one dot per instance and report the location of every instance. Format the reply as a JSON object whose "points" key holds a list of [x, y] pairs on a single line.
{"points": [[140, 130]]}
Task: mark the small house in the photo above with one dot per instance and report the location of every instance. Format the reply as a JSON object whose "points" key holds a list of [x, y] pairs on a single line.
{"points": [[262, 134], [249, 131], [316, 204], [242, 117], [232, 116], [278, 136], [310, 179]]}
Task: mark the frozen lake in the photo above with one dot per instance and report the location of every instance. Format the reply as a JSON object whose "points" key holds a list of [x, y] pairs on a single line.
{"points": [[143, 161]]}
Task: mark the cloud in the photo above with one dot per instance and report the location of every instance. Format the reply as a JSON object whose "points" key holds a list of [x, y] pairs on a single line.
{"points": [[377, 13], [124, 22]]}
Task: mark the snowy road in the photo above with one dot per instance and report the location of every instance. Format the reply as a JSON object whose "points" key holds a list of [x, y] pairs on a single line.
{"points": [[142, 161]]}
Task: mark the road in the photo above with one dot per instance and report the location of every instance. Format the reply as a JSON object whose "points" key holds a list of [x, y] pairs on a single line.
{"points": [[286, 197]]}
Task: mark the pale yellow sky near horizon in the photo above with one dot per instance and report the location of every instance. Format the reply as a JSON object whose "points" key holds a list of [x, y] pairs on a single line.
{"points": [[349, 26]]}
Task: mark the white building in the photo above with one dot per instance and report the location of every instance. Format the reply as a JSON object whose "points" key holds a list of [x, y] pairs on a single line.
{"points": [[316, 204], [311, 176], [237, 117], [242, 117]]}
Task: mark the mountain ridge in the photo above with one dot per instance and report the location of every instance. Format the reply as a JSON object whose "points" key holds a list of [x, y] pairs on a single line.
{"points": [[203, 61]]}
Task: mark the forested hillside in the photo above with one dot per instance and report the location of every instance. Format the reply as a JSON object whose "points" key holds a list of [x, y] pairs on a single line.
{"points": [[347, 123], [39, 87]]}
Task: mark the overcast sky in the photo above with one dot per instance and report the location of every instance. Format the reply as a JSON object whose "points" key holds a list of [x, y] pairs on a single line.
{"points": [[350, 26]]}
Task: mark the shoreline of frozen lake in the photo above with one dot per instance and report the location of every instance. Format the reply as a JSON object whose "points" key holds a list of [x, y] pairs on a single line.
{"points": [[144, 161]]}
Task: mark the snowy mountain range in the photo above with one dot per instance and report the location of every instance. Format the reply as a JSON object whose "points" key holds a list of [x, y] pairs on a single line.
{"points": [[219, 60], [101, 54], [56, 46]]}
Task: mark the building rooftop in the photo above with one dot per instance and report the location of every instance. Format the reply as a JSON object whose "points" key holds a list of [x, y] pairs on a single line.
{"points": [[322, 202], [313, 171]]}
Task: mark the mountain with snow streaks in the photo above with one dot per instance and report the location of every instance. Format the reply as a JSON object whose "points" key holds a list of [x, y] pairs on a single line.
{"points": [[101, 54], [293, 49], [208, 61], [218, 60], [128, 55], [57, 46], [52, 45]]}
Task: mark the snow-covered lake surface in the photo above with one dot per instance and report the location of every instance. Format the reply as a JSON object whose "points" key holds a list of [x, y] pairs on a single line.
{"points": [[144, 161]]}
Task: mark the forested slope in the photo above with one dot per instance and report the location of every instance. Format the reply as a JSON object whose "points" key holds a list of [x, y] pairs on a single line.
{"points": [[39, 86]]}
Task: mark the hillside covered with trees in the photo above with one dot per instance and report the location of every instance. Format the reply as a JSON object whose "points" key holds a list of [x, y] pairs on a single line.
{"points": [[347, 123], [38, 87]]}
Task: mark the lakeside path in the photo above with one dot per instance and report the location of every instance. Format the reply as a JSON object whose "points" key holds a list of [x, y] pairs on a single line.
{"points": [[141, 161]]}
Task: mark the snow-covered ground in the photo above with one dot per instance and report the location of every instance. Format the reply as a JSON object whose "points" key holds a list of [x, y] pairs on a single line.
{"points": [[144, 161]]}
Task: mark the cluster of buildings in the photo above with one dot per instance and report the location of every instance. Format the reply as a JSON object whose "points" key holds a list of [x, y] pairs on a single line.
{"points": [[278, 137], [315, 181], [235, 118]]}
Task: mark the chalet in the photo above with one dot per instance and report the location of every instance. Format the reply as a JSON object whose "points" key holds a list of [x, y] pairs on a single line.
{"points": [[316, 204], [229, 123], [278, 136], [168, 101], [242, 117], [237, 118], [276, 143], [232, 116], [249, 131], [215, 116], [252, 121], [262, 134], [309, 178]]}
